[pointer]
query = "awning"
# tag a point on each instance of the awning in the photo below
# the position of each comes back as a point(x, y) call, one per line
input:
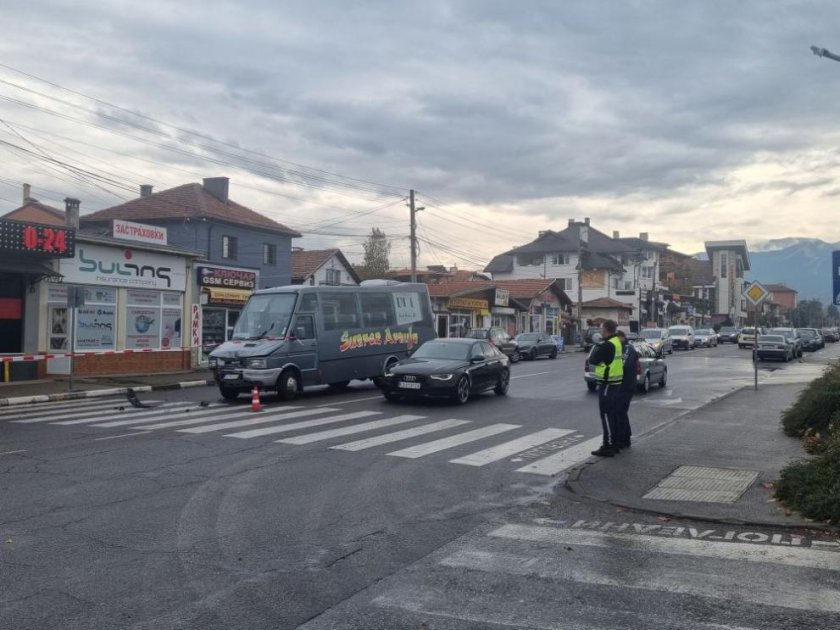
point(229, 296)
point(37, 268)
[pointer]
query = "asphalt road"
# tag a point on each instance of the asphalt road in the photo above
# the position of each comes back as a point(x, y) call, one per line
point(344, 511)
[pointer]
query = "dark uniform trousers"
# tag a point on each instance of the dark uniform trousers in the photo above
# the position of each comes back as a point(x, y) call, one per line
point(608, 409)
point(623, 396)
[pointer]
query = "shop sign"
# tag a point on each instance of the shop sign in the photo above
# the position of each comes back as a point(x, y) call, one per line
point(196, 325)
point(97, 264)
point(593, 280)
point(233, 297)
point(502, 297)
point(96, 327)
point(221, 277)
point(34, 238)
point(139, 232)
point(469, 303)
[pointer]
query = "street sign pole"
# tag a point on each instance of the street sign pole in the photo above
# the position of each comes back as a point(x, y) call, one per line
point(755, 295)
point(835, 280)
point(75, 299)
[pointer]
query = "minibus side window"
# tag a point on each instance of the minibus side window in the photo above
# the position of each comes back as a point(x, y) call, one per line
point(339, 311)
point(308, 302)
point(377, 310)
point(304, 327)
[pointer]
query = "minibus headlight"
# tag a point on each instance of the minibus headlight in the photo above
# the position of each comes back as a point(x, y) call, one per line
point(256, 364)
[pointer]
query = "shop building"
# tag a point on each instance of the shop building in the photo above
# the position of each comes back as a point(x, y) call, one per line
point(241, 249)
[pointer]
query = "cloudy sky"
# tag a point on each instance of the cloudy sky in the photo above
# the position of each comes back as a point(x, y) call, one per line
point(688, 120)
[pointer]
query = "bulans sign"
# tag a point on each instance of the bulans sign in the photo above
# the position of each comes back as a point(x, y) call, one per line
point(123, 267)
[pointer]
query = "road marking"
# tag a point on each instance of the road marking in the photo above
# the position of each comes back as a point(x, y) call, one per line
point(533, 374)
point(215, 411)
point(428, 448)
point(13, 452)
point(495, 453)
point(250, 419)
point(302, 425)
point(354, 400)
point(356, 428)
point(564, 459)
point(26, 410)
point(114, 437)
point(58, 414)
point(388, 438)
point(790, 556)
point(122, 414)
point(203, 419)
point(714, 585)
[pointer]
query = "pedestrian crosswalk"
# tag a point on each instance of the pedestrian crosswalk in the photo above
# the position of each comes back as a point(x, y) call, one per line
point(545, 451)
point(603, 574)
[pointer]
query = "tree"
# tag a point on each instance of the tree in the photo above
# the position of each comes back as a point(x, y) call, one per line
point(809, 314)
point(377, 248)
point(832, 313)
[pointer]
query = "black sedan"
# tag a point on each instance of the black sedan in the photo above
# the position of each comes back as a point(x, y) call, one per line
point(533, 345)
point(448, 368)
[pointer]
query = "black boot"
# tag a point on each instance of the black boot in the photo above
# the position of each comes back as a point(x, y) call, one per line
point(605, 450)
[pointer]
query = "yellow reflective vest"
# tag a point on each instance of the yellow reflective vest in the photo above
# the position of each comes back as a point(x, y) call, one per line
point(614, 372)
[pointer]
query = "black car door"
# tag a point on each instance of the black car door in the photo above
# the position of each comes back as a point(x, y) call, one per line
point(494, 364)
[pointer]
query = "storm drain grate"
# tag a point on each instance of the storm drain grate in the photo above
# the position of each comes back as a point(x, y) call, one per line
point(707, 485)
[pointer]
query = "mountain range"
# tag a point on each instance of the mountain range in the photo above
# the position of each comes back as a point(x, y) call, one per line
point(803, 264)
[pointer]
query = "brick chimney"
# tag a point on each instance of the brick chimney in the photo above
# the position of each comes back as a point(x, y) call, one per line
point(27, 193)
point(615, 234)
point(146, 190)
point(586, 221)
point(571, 223)
point(71, 212)
point(218, 187)
point(644, 236)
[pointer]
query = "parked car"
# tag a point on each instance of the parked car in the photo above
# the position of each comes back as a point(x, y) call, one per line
point(499, 338)
point(705, 337)
point(448, 368)
point(793, 337)
point(811, 339)
point(533, 345)
point(774, 347)
point(728, 334)
point(830, 334)
point(651, 368)
point(682, 337)
point(659, 338)
point(746, 338)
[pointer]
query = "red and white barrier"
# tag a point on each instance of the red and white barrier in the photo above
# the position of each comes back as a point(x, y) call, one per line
point(40, 357)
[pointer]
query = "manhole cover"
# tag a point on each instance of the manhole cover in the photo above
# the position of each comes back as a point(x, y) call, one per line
point(707, 485)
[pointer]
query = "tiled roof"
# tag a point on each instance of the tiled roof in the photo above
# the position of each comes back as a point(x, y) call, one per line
point(187, 201)
point(500, 264)
point(779, 288)
point(568, 240)
point(308, 261)
point(451, 289)
point(37, 212)
point(524, 289)
point(606, 302)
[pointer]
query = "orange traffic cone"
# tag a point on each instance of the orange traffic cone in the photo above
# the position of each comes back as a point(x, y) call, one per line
point(255, 399)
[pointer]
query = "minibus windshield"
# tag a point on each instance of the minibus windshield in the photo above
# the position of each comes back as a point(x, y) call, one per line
point(265, 315)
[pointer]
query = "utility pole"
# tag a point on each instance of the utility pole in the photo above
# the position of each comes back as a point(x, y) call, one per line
point(413, 236)
point(583, 234)
point(822, 52)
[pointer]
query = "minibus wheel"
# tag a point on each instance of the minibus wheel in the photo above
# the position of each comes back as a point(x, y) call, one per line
point(288, 385)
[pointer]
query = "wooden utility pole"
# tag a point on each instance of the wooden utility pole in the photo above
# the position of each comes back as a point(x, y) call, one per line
point(413, 236)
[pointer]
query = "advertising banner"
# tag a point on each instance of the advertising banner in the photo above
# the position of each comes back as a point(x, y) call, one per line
point(123, 267)
point(142, 327)
point(96, 327)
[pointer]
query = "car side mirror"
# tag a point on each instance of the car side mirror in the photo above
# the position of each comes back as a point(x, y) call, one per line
point(476, 359)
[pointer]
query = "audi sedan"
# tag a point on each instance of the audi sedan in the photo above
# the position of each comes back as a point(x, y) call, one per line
point(533, 345)
point(448, 368)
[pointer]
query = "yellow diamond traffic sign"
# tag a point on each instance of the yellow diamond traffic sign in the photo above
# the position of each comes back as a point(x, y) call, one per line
point(756, 293)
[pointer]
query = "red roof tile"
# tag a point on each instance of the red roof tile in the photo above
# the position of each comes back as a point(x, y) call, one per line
point(305, 262)
point(449, 289)
point(606, 302)
point(187, 201)
point(37, 212)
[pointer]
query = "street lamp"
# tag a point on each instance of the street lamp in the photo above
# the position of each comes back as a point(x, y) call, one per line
point(822, 52)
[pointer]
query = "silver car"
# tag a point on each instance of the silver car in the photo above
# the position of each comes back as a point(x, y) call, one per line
point(658, 338)
point(706, 338)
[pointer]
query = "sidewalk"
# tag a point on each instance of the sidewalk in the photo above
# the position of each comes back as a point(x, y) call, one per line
point(740, 432)
point(25, 392)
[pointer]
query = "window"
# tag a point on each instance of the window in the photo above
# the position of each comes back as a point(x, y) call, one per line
point(530, 260)
point(477, 352)
point(724, 264)
point(566, 283)
point(309, 302)
point(559, 259)
point(377, 309)
point(96, 321)
point(334, 277)
point(229, 247)
point(153, 319)
point(489, 351)
point(304, 327)
point(269, 254)
point(339, 311)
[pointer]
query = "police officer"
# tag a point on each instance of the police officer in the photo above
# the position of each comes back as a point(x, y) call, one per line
point(609, 371)
point(625, 392)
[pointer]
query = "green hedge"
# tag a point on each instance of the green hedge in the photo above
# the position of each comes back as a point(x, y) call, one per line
point(812, 486)
point(814, 407)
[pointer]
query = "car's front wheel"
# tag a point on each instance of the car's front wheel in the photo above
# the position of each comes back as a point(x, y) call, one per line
point(514, 358)
point(392, 396)
point(532, 356)
point(553, 354)
point(664, 380)
point(645, 386)
point(462, 390)
point(288, 385)
point(501, 388)
point(229, 393)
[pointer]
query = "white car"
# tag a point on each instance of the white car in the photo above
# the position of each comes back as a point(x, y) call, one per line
point(705, 337)
point(682, 337)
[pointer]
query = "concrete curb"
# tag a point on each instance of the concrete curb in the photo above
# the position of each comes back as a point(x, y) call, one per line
point(96, 393)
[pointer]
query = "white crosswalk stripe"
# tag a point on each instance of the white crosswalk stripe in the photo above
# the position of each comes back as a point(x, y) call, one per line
point(122, 414)
point(388, 438)
point(64, 405)
point(206, 413)
point(308, 438)
point(43, 415)
point(308, 424)
point(495, 453)
point(562, 460)
point(236, 424)
point(421, 450)
point(259, 417)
